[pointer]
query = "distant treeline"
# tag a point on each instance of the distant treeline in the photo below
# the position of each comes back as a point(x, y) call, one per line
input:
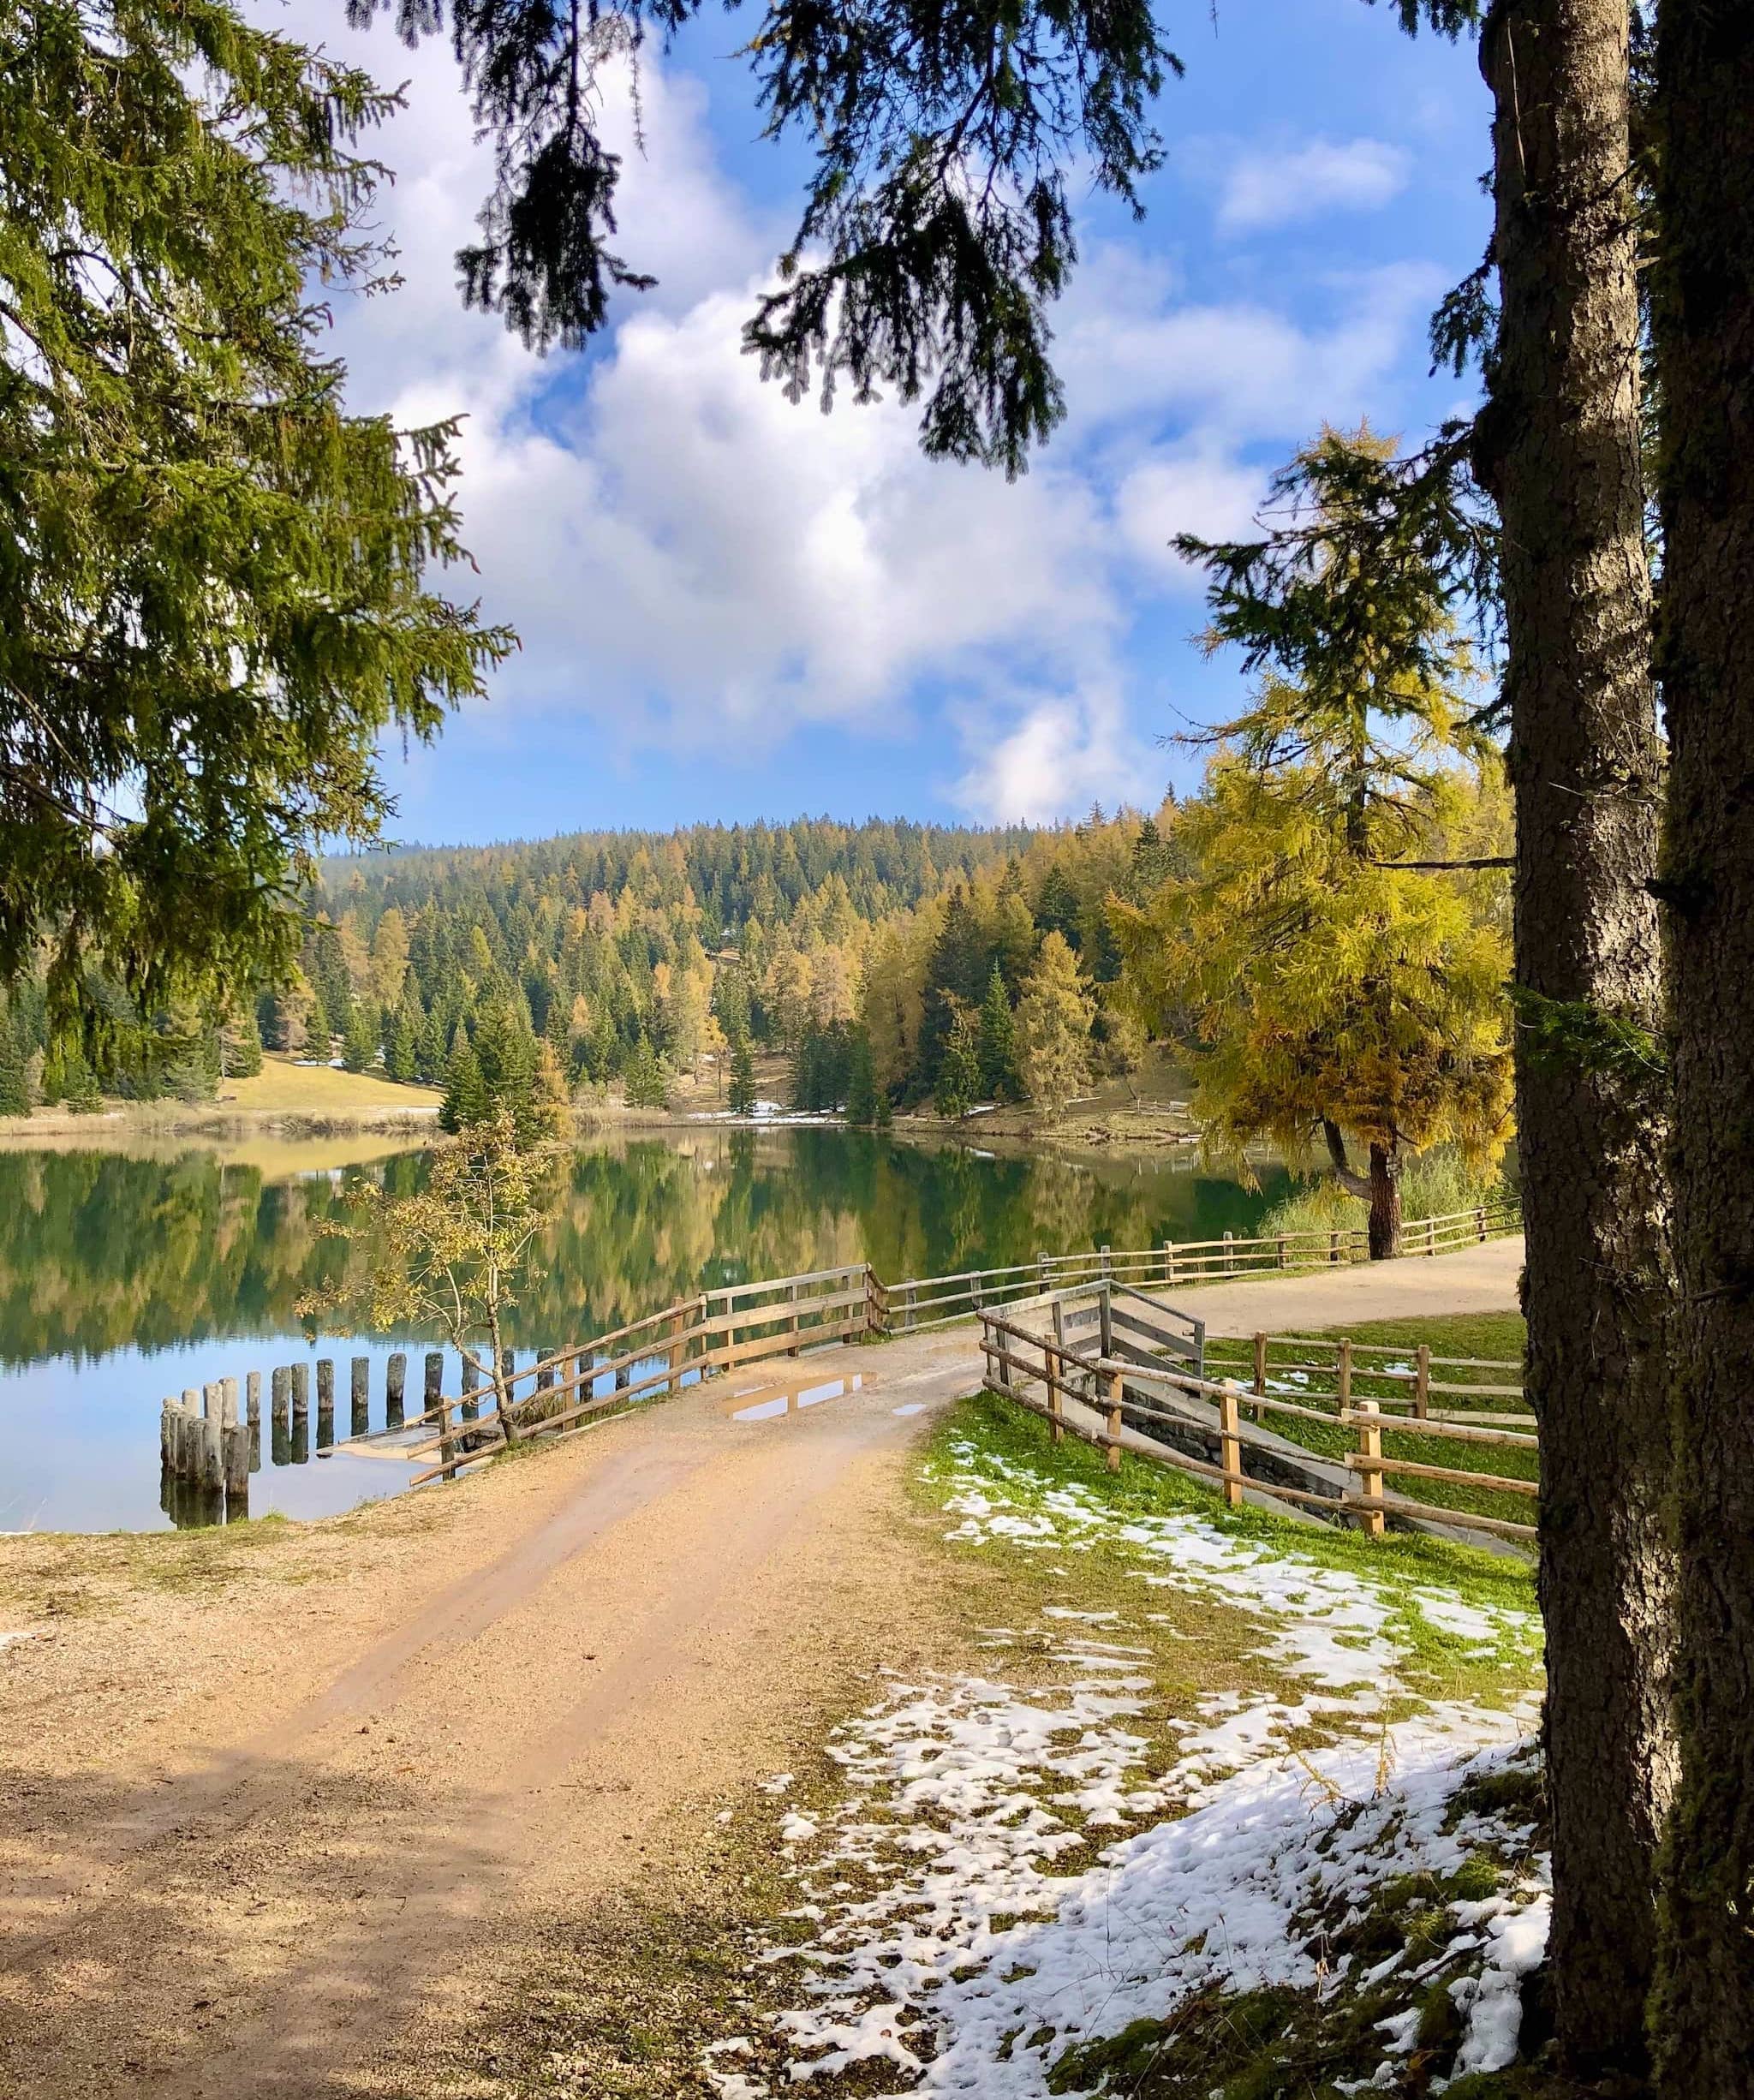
point(891, 962)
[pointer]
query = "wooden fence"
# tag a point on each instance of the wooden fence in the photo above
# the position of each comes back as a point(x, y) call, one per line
point(933, 1300)
point(699, 1337)
point(1098, 1395)
point(720, 1329)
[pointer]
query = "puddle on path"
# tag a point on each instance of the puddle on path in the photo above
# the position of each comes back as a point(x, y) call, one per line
point(766, 1403)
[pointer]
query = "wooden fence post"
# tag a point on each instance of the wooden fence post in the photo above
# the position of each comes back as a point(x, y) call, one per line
point(447, 1441)
point(212, 1455)
point(793, 1299)
point(1056, 1426)
point(1112, 1454)
point(253, 1397)
point(1169, 1265)
point(1480, 1222)
point(235, 1461)
point(1369, 1476)
point(1334, 1246)
point(1229, 1259)
point(1343, 1372)
point(301, 1392)
point(1107, 1262)
point(907, 1317)
point(1422, 1381)
point(1279, 1244)
point(325, 1403)
point(1230, 1449)
point(395, 1384)
point(1106, 1321)
point(1260, 1371)
point(359, 1395)
point(1431, 1236)
point(1043, 1273)
point(678, 1349)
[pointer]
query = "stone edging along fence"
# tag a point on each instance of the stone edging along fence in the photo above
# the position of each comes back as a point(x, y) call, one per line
point(719, 1330)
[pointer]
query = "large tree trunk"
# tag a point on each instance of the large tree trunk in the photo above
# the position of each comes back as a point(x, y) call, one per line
point(1558, 447)
point(1385, 1231)
point(1704, 321)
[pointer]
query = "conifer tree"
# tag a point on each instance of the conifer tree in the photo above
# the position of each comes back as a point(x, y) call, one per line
point(15, 1086)
point(430, 1051)
point(243, 1046)
point(998, 1062)
point(742, 1102)
point(959, 1070)
point(1053, 1028)
point(359, 1045)
point(643, 1080)
point(549, 1115)
point(78, 1083)
point(861, 1082)
point(465, 1103)
point(401, 1054)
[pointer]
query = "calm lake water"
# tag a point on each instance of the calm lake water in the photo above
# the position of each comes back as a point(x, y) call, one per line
point(125, 1280)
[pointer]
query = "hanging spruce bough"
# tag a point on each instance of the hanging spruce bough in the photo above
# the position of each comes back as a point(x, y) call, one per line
point(214, 590)
point(936, 230)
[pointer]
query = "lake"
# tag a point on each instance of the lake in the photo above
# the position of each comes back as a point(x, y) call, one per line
point(123, 1279)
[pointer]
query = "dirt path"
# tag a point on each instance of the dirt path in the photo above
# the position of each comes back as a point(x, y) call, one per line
point(275, 1794)
point(1482, 1278)
point(258, 1888)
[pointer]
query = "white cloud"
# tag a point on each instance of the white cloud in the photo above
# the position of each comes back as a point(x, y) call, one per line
point(694, 562)
point(1067, 751)
point(1263, 189)
point(1171, 492)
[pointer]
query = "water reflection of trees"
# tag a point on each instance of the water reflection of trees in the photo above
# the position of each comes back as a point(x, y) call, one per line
point(99, 1250)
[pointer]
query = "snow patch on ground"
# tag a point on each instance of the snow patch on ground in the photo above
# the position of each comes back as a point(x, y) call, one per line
point(949, 1933)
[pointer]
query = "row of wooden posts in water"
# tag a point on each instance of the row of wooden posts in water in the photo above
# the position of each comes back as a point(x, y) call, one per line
point(211, 1440)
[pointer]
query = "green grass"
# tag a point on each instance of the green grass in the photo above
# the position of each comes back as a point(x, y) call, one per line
point(1436, 1186)
point(1491, 1336)
point(1400, 1562)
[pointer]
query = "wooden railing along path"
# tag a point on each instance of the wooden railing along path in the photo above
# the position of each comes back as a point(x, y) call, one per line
point(718, 1330)
point(1096, 1393)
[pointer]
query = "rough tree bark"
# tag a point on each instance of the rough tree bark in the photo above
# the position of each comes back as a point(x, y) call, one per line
point(1380, 1188)
point(1705, 333)
point(1385, 1229)
point(1558, 448)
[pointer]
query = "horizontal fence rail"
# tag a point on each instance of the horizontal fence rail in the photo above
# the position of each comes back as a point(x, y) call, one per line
point(1328, 1455)
point(1101, 1298)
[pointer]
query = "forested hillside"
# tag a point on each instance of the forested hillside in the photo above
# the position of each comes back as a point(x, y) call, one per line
point(889, 960)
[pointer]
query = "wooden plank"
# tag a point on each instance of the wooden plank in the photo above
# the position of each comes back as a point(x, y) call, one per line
point(734, 1291)
point(1369, 1455)
point(1456, 1432)
point(1451, 1519)
point(1131, 1323)
point(1500, 1483)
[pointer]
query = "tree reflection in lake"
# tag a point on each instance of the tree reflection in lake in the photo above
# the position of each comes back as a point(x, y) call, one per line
point(122, 1280)
point(99, 1251)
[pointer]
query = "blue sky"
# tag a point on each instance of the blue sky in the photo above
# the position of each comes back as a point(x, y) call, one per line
point(733, 607)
